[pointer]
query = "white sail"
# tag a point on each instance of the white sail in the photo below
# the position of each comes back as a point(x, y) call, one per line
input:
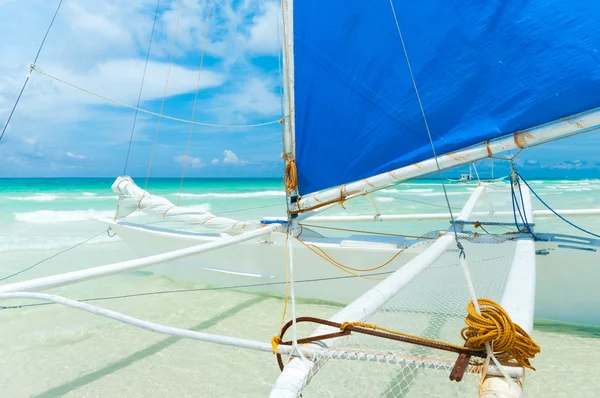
point(133, 198)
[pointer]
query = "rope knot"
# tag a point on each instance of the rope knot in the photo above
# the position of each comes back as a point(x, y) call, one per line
point(494, 326)
point(275, 341)
point(344, 325)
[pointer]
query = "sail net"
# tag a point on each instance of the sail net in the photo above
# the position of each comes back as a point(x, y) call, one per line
point(433, 305)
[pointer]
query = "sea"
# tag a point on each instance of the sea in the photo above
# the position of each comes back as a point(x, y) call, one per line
point(54, 225)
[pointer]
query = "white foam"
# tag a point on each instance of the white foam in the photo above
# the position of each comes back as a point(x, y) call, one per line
point(384, 199)
point(442, 193)
point(232, 195)
point(89, 194)
point(59, 216)
point(94, 197)
point(42, 197)
point(416, 190)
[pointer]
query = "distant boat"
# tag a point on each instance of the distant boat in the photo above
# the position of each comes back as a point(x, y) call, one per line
point(469, 177)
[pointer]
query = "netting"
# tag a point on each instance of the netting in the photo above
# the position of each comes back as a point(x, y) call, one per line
point(433, 305)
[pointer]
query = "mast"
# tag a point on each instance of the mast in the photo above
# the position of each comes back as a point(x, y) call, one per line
point(289, 122)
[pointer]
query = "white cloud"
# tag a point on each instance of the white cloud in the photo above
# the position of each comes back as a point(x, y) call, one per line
point(74, 156)
point(231, 158)
point(193, 162)
point(572, 165)
point(117, 79)
point(234, 88)
point(263, 33)
point(254, 97)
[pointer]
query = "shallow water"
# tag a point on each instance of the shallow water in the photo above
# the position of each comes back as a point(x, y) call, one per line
point(49, 350)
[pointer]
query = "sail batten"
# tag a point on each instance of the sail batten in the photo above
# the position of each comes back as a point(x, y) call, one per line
point(565, 127)
point(483, 70)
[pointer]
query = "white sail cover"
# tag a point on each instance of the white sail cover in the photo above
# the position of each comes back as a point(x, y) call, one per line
point(133, 198)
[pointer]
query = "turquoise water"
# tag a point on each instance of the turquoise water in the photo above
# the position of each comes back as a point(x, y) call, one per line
point(55, 351)
point(50, 213)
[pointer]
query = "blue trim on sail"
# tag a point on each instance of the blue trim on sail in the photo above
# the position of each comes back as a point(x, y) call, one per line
point(483, 68)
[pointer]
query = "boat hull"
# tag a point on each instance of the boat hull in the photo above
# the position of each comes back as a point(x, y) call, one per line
point(567, 272)
point(260, 265)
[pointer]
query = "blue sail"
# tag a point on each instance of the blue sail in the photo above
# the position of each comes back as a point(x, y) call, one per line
point(483, 69)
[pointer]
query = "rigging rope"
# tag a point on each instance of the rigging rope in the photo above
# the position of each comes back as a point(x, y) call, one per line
point(553, 211)
point(493, 325)
point(162, 105)
point(52, 256)
point(514, 180)
point(207, 289)
point(159, 115)
point(462, 254)
point(141, 87)
point(412, 77)
point(189, 141)
point(367, 232)
point(30, 69)
point(350, 270)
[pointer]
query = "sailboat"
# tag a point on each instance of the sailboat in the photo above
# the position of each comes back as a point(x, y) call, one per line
point(464, 177)
point(469, 177)
point(377, 96)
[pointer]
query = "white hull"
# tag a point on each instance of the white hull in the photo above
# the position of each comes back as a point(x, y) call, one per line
point(567, 272)
point(261, 262)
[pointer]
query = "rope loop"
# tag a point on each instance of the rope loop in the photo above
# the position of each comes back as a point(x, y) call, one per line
point(291, 175)
point(494, 326)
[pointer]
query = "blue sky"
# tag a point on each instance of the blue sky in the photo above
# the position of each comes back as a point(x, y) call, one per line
point(58, 131)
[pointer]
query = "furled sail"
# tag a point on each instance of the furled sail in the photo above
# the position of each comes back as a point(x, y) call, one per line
point(483, 70)
point(133, 198)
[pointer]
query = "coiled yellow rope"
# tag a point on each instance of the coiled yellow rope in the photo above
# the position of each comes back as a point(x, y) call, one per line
point(495, 326)
point(291, 175)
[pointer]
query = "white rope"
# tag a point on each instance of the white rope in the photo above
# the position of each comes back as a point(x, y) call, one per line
point(312, 352)
point(229, 126)
point(476, 173)
point(189, 140)
point(151, 326)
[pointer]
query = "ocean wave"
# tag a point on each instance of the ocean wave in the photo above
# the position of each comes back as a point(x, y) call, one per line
point(89, 194)
point(442, 193)
point(94, 197)
point(416, 190)
point(61, 216)
point(231, 195)
point(384, 199)
point(42, 197)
